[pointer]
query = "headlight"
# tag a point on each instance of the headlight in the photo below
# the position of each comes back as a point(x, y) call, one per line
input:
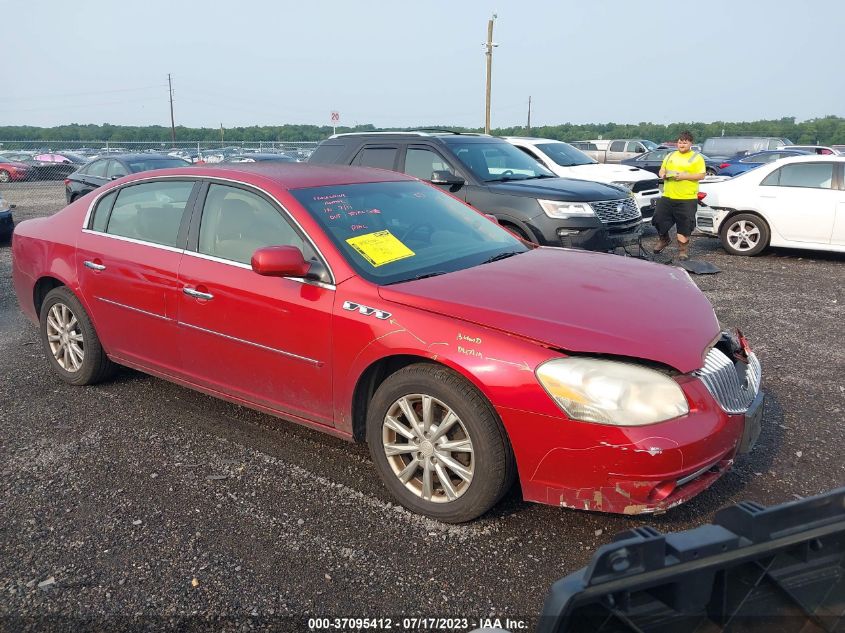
point(564, 210)
point(626, 185)
point(610, 392)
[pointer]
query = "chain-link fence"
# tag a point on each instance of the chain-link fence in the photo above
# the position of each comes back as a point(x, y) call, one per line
point(30, 169)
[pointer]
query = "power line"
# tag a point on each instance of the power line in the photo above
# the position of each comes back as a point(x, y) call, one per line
point(80, 94)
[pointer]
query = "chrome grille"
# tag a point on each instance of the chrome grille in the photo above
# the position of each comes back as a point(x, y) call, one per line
point(616, 210)
point(646, 185)
point(733, 392)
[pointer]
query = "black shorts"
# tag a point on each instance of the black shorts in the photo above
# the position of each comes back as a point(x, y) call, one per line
point(680, 213)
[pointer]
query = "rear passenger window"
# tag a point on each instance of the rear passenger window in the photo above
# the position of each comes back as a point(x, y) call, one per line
point(97, 168)
point(383, 157)
point(236, 223)
point(116, 170)
point(102, 210)
point(150, 212)
point(617, 146)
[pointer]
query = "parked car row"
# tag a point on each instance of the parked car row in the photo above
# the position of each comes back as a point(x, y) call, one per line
point(17, 166)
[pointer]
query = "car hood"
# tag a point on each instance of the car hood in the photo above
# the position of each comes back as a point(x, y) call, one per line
point(567, 189)
point(577, 301)
point(609, 173)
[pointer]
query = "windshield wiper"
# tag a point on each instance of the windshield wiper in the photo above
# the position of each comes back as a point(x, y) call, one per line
point(504, 255)
point(423, 276)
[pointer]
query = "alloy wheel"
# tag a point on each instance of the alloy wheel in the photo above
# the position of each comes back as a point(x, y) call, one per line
point(64, 335)
point(743, 235)
point(428, 448)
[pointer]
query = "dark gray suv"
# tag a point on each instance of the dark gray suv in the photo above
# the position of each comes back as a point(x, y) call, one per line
point(498, 179)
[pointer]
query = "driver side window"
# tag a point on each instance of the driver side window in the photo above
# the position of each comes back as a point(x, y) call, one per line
point(236, 223)
point(422, 163)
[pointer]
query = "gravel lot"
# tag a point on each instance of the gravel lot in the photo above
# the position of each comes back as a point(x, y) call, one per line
point(137, 503)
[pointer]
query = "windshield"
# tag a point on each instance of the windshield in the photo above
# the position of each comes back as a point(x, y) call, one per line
point(565, 155)
point(650, 145)
point(155, 163)
point(399, 231)
point(492, 162)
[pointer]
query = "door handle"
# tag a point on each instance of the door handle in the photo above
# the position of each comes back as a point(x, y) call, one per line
point(93, 266)
point(197, 294)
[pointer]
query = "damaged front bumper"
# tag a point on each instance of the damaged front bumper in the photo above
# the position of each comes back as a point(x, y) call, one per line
point(647, 469)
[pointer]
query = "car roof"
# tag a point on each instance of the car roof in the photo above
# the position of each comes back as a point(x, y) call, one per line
point(294, 175)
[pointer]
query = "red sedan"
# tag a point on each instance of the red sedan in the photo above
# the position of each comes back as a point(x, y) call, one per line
point(374, 307)
point(13, 170)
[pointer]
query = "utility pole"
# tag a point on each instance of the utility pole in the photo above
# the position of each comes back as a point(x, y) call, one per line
point(172, 120)
point(490, 46)
point(529, 115)
point(221, 135)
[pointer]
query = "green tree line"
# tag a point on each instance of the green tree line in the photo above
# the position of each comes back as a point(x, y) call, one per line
point(825, 131)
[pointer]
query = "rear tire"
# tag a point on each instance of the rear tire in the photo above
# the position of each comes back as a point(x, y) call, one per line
point(4, 176)
point(452, 461)
point(70, 341)
point(744, 234)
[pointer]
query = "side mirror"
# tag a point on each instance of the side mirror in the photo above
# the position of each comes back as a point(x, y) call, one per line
point(446, 177)
point(279, 261)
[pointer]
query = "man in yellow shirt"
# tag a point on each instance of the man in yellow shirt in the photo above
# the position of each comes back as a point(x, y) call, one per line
point(681, 170)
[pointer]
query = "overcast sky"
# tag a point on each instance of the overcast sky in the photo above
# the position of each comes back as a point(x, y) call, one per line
point(406, 63)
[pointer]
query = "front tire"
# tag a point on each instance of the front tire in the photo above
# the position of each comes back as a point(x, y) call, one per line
point(70, 341)
point(438, 445)
point(4, 176)
point(744, 234)
point(513, 228)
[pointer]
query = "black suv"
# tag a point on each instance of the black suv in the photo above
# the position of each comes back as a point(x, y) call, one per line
point(498, 179)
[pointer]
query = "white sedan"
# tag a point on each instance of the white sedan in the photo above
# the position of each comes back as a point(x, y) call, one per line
point(797, 202)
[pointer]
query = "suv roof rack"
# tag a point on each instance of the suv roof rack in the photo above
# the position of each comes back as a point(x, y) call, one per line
point(423, 131)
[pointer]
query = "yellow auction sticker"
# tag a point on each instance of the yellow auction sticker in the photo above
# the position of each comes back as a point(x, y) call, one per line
point(379, 248)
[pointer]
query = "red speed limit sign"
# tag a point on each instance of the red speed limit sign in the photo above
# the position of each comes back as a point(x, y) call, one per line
point(335, 116)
